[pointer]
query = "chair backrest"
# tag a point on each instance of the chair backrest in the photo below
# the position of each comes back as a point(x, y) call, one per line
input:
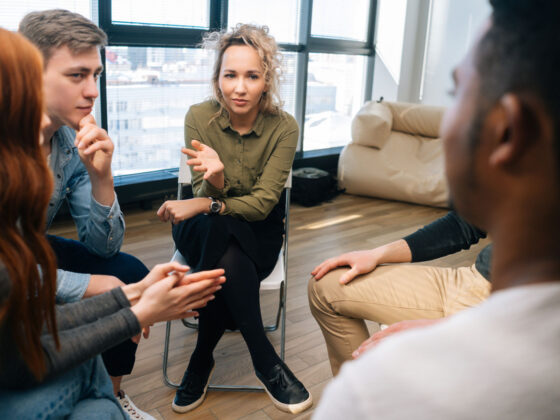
point(184, 170)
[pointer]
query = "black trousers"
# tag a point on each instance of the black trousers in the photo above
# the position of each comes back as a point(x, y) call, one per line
point(248, 252)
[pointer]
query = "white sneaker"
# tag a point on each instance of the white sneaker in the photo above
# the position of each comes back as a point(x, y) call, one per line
point(129, 408)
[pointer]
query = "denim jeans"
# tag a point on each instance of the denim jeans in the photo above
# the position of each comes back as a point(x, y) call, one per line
point(84, 392)
point(74, 256)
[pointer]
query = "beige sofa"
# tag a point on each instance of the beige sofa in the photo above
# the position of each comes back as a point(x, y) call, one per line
point(395, 153)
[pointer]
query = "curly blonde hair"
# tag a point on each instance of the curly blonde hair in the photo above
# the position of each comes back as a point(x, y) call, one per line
point(265, 45)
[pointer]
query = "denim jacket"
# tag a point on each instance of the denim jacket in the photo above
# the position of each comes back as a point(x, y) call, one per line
point(100, 228)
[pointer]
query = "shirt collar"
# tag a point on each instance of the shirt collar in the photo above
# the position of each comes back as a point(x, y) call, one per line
point(258, 126)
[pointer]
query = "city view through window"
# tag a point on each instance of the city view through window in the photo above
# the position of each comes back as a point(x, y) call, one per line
point(149, 89)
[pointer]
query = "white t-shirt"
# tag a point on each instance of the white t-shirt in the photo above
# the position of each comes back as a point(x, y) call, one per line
point(499, 360)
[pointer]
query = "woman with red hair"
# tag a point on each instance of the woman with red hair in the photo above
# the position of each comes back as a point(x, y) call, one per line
point(49, 363)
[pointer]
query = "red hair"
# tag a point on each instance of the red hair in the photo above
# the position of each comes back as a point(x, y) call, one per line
point(25, 189)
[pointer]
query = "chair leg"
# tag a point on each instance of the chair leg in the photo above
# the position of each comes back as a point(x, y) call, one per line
point(188, 324)
point(166, 379)
point(280, 321)
point(274, 327)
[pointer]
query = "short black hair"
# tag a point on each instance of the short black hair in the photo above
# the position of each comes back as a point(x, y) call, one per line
point(520, 53)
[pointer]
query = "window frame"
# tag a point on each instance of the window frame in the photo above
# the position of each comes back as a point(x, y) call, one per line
point(157, 36)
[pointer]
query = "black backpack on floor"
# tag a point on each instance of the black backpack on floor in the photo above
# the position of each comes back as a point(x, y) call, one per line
point(312, 186)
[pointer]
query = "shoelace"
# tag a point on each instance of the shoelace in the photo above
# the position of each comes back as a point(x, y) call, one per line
point(128, 408)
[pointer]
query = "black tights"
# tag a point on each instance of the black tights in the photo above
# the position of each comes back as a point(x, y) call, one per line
point(238, 300)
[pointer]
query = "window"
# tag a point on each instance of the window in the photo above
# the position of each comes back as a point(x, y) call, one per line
point(351, 20)
point(334, 94)
point(155, 68)
point(12, 12)
point(281, 17)
point(170, 13)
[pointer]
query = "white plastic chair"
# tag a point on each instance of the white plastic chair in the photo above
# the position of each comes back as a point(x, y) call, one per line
point(277, 280)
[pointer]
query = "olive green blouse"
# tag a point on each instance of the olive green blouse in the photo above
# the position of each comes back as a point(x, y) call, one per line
point(256, 164)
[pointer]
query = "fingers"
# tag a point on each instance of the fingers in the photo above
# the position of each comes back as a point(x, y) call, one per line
point(135, 339)
point(146, 332)
point(166, 269)
point(364, 347)
point(349, 276)
point(197, 145)
point(189, 152)
point(88, 119)
point(103, 145)
point(162, 212)
point(327, 266)
point(191, 300)
point(204, 275)
point(169, 212)
point(90, 134)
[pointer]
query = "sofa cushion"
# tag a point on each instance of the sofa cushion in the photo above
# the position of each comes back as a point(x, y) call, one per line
point(423, 120)
point(372, 125)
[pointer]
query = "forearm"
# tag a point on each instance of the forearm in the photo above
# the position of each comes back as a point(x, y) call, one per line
point(88, 310)
point(103, 189)
point(87, 340)
point(444, 236)
point(394, 252)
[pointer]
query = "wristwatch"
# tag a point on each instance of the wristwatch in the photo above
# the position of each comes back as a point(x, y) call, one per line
point(215, 206)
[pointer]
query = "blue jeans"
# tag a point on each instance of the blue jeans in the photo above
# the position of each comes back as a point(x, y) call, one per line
point(74, 256)
point(84, 392)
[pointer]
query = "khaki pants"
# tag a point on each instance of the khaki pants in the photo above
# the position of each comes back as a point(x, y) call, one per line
point(387, 295)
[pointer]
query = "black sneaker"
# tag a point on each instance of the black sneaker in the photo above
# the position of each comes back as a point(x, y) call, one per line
point(192, 391)
point(286, 392)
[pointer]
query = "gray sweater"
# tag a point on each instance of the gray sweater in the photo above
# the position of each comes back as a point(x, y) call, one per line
point(86, 328)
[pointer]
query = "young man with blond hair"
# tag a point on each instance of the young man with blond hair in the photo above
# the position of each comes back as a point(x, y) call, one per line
point(80, 154)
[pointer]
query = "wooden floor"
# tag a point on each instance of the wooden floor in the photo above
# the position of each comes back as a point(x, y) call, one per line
point(347, 223)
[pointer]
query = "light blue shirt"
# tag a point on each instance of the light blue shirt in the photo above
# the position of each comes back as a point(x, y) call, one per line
point(100, 228)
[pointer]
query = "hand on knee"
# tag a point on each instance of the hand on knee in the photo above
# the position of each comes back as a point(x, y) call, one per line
point(100, 284)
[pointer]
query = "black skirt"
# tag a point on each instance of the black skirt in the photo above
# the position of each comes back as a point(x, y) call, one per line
point(204, 239)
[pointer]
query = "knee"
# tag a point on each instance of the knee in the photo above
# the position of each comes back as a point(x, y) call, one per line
point(315, 296)
point(321, 293)
point(128, 268)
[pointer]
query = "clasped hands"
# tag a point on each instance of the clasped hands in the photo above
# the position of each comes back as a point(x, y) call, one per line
point(169, 293)
point(202, 159)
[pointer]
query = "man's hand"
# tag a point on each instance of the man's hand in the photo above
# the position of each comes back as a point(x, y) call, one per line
point(95, 148)
point(360, 262)
point(178, 210)
point(390, 330)
point(205, 159)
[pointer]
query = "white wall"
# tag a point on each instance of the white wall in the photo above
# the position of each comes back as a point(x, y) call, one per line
point(431, 37)
point(453, 27)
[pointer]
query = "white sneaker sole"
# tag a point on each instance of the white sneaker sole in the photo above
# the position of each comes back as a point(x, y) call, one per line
point(289, 408)
point(190, 407)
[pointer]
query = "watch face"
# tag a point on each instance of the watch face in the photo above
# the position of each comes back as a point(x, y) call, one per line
point(215, 206)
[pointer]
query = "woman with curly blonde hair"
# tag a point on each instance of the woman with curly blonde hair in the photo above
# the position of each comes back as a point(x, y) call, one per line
point(241, 147)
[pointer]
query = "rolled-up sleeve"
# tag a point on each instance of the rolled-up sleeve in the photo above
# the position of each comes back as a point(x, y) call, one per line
point(70, 287)
point(100, 228)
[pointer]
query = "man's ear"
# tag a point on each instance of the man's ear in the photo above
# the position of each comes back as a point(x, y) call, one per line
point(516, 126)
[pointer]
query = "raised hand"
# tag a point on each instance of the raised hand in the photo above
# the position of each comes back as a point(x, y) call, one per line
point(95, 148)
point(205, 159)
